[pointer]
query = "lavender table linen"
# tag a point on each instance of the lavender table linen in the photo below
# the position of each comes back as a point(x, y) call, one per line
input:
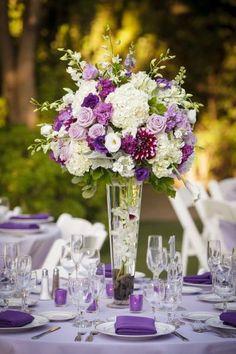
point(39, 216)
point(134, 325)
point(11, 318)
point(15, 226)
point(204, 278)
point(229, 318)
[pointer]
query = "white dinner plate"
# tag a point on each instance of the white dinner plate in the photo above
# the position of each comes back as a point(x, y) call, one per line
point(22, 232)
point(16, 302)
point(37, 322)
point(36, 290)
point(213, 298)
point(231, 306)
point(217, 323)
point(198, 285)
point(139, 275)
point(198, 315)
point(32, 220)
point(108, 328)
point(190, 290)
point(58, 315)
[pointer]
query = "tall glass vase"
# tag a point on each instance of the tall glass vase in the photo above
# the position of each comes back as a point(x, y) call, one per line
point(124, 204)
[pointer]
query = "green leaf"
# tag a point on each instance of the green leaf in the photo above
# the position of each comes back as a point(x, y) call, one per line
point(89, 191)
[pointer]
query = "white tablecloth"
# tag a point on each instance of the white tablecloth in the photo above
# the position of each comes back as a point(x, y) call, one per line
point(62, 341)
point(35, 245)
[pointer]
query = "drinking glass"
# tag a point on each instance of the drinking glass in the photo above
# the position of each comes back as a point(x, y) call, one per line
point(156, 256)
point(171, 298)
point(90, 259)
point(66, 259)
point(76, 245)
point(224, 283)
point(11, 252)
point(154, 292)
point(98, 284)
point(213, 257)
point(80, 291)
point(23, 274)
point(7, 284)
point(4, 207)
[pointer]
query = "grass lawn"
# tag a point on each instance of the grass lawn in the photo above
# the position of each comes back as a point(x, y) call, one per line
point(164, 228)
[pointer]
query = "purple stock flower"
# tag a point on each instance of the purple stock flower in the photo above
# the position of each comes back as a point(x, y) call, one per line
point(104, 87)
point(89, 72)
point(141, 173)
point(128, 144)
point(63, 117)
point(99, 144)
point(90, 101)
point(174, 117)
point(129, 61)
point(164, 83)
point(103, 112)
point(187, 150)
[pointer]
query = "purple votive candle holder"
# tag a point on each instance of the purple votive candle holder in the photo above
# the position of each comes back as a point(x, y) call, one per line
point(136, 302)
point(60, 297)
point(109, 289)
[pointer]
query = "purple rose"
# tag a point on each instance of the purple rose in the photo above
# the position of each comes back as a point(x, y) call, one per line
point(99, 144)
point(128, 144)
point(96, 130)
point(89, 72)
point(77, 132)
point(63, 116)
point(90, 101)
point(156, 124)
point(86, 117)
point(104, 87)
point(103, 112)
point(141, 173)
point(164, 83)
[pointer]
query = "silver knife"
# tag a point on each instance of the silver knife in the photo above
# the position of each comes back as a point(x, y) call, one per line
point(177, 334)
point(50, 330)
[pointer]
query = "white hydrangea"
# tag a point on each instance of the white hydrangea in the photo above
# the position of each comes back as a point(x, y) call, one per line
point(79, 147)
point(86, 87)
point(130, 106)
point(78, 164)
point(124, 166)
point(161, 169)
point(143, 82)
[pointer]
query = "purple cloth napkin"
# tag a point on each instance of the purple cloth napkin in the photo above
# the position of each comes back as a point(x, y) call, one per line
point(11, 318)
point(204, 278)
point(229, 318)
point(134, 325)
point(108, 271)
point(40, 216)
point(93, 307)
point(15, 226)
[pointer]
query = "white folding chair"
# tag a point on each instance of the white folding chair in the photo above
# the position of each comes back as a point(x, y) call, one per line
point(224, 189)
point(193, 244)
point(53, 256)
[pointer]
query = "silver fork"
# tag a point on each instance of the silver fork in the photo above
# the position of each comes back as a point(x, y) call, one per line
point(200, 327)
point(78, 337)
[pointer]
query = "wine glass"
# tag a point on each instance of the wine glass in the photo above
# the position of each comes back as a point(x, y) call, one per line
point(66, 259)
point(98, 284)
point(80, 291)
point(23, 275)
point(154, 292)
point(171, 298)
point(4, 207)
point(11, 252)
point(224, 283)
point(7, 284)
point(76, 245)
point(90, 259)
point(156, 255)
point(213, 256)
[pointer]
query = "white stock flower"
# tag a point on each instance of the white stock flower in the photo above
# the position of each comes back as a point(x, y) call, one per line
point(75, 75)
point(130, 106)
point(78, 164)
point(112, 142)
point(192, 116)
point(124, 166)
point(86, 87)
point(46, 130)
point(143, 82)
point(68, 98)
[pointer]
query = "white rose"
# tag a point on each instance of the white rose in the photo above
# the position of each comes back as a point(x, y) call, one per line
point(46, 130)
point(192, 116)
point(112, 142)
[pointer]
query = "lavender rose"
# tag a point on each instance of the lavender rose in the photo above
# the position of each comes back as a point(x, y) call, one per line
point(96, 130)
point(89, 72)
point(77, 132)
point(86, 117)
point(103, 112)
point(63, 116)
point(90, 101)
point(156, 124)
point(141, 173)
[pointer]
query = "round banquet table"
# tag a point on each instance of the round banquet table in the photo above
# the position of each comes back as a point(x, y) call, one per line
point(62, 341)
point(35, 245)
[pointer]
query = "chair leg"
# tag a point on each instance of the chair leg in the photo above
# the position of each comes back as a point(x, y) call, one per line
point(185, 247)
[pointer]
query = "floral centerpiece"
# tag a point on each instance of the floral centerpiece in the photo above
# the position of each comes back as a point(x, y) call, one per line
point(121, 126)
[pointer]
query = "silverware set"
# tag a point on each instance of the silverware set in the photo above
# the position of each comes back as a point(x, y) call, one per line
point(89, 338)
point(200, 327)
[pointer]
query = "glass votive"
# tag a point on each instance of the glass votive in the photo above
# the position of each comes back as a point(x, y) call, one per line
point(109, 289)
point(60, 297)
point(136, 302)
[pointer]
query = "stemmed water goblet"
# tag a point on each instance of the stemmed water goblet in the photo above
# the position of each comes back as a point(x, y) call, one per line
point(224, 283)
point(76, 245)
point(7, 283)
point(66, 259)
point(11, 252)
point(98, 284)
point(156, 256)
point(153, 292)
point(23, 276)
point(90, 258)
point(171, 298)
point(213, 256)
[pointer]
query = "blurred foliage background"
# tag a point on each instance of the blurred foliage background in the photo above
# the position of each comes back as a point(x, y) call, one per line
point(200, 33)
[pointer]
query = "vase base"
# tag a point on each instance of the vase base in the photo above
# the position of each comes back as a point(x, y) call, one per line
point(115, 305)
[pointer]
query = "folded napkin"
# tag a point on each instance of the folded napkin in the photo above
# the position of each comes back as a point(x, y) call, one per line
point(108, 271)
point(15, 226)
point(93, 307)
point(134, 325)
point(11, 318)
point(40, 216)
point(204, 278)
point(229, 318)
